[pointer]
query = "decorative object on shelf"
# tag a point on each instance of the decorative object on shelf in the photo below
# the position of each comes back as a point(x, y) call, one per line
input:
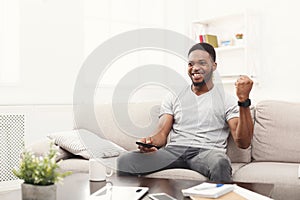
point(40, 175)
point(225, 43)
point(239, 39)
point(239, 36)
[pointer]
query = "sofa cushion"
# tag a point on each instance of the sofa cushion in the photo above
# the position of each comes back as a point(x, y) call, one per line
point(276, 132)
point(187, 174)
point(114, 125)
point(269, 172)
point(237, 155)
point(85, 144)
point(42, 147)
point(177, 173)
point(282, 175)
point(75, 165)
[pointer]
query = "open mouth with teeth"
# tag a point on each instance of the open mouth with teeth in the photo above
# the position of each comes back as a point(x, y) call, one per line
point(197, 76)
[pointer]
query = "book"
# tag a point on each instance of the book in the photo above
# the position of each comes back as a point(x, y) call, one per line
point(210, 39)
point(208, 190)
point(228, 196)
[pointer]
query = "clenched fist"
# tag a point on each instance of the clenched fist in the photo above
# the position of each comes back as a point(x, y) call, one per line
point(243, 87)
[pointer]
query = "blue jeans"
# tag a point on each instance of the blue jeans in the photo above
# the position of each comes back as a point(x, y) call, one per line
point(214, 164)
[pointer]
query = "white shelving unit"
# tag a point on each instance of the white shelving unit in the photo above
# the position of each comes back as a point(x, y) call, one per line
point(240, 56)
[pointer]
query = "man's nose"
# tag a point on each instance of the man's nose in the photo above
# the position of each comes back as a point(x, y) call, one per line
point(197, 66)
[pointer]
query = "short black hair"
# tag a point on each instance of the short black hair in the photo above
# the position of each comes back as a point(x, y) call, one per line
point(204, 47)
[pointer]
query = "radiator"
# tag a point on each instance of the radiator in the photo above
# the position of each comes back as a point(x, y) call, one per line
point(12, 131)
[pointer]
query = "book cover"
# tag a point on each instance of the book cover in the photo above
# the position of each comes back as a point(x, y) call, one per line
point(201, 38)
point(211, 39)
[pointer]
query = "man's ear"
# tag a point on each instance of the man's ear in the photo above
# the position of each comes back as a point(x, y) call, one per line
point(214, 66)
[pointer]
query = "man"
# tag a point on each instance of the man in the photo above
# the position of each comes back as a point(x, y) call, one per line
point(196, 121)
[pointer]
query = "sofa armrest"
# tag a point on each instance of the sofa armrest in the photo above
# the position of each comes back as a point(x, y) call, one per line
point(42, 147)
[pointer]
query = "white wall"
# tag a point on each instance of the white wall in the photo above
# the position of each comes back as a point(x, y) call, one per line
point(279, 41)
point(51, 52)
point(56, 36)
point(279, 44)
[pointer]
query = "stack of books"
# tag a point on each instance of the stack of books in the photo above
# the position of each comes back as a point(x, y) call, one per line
point(212, 191)
point(211, 39)
point(208, 190)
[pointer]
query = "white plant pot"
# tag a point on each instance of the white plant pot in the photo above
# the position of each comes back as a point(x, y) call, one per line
point(38, 192)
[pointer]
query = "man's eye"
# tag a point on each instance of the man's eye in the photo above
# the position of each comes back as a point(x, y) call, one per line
point(202, 63)
point(190, 64)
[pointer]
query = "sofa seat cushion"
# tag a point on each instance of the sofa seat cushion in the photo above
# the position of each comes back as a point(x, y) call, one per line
point(284, 176)
point(75, 165)
point(269, 172)
point(177, 173)
point(187, 174)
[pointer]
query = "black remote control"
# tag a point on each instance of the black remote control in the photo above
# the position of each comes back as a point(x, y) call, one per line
point(146, 145)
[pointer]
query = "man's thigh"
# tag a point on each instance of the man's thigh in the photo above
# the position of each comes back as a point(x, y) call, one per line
point(136, 162)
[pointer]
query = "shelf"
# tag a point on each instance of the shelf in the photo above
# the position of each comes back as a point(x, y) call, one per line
point(240, 56)
point(229, 48)
point(227, 79)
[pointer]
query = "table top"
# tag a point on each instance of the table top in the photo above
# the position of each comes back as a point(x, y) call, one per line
point(171, 186)
point(78, 187)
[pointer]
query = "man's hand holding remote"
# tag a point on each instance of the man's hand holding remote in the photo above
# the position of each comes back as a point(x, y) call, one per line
point(145, 145)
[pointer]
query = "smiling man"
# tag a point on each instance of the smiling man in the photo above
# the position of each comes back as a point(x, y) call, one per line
point(195, 123)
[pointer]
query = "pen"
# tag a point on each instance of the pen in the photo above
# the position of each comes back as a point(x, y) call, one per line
point(204, 187)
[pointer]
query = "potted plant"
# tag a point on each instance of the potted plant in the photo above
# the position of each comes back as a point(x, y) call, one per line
point(40, 175)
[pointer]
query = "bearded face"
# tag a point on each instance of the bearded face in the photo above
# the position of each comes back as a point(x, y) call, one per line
point(200, 67)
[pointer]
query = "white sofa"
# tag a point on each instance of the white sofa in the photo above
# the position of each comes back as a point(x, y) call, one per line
point(273, 157)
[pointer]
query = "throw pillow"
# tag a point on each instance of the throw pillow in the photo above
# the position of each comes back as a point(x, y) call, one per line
point(42, 147)
point(86, 144)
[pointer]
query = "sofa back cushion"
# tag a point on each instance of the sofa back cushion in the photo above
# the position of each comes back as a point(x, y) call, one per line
point(276, 132)
point(113, 124)
point(121, 123)
point(237, 155)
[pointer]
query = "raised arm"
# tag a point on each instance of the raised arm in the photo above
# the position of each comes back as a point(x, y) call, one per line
point(160, 135)
point(242, 128)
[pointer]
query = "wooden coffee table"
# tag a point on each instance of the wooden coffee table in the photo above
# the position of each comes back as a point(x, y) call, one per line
point(171, 186)
point(78, 187)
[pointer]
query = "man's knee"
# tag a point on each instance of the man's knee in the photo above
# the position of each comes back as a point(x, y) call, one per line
point(221, 170)
point(125, 165)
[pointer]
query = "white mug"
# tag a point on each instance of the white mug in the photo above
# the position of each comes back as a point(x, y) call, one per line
point(98, 171)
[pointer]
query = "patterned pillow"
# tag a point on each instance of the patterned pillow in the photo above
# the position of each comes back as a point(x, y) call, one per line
point(86, 144)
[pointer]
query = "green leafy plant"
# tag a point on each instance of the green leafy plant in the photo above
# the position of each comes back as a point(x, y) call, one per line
point(40, 170)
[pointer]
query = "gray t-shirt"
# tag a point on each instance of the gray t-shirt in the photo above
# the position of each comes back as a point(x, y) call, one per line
point(200, 121)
